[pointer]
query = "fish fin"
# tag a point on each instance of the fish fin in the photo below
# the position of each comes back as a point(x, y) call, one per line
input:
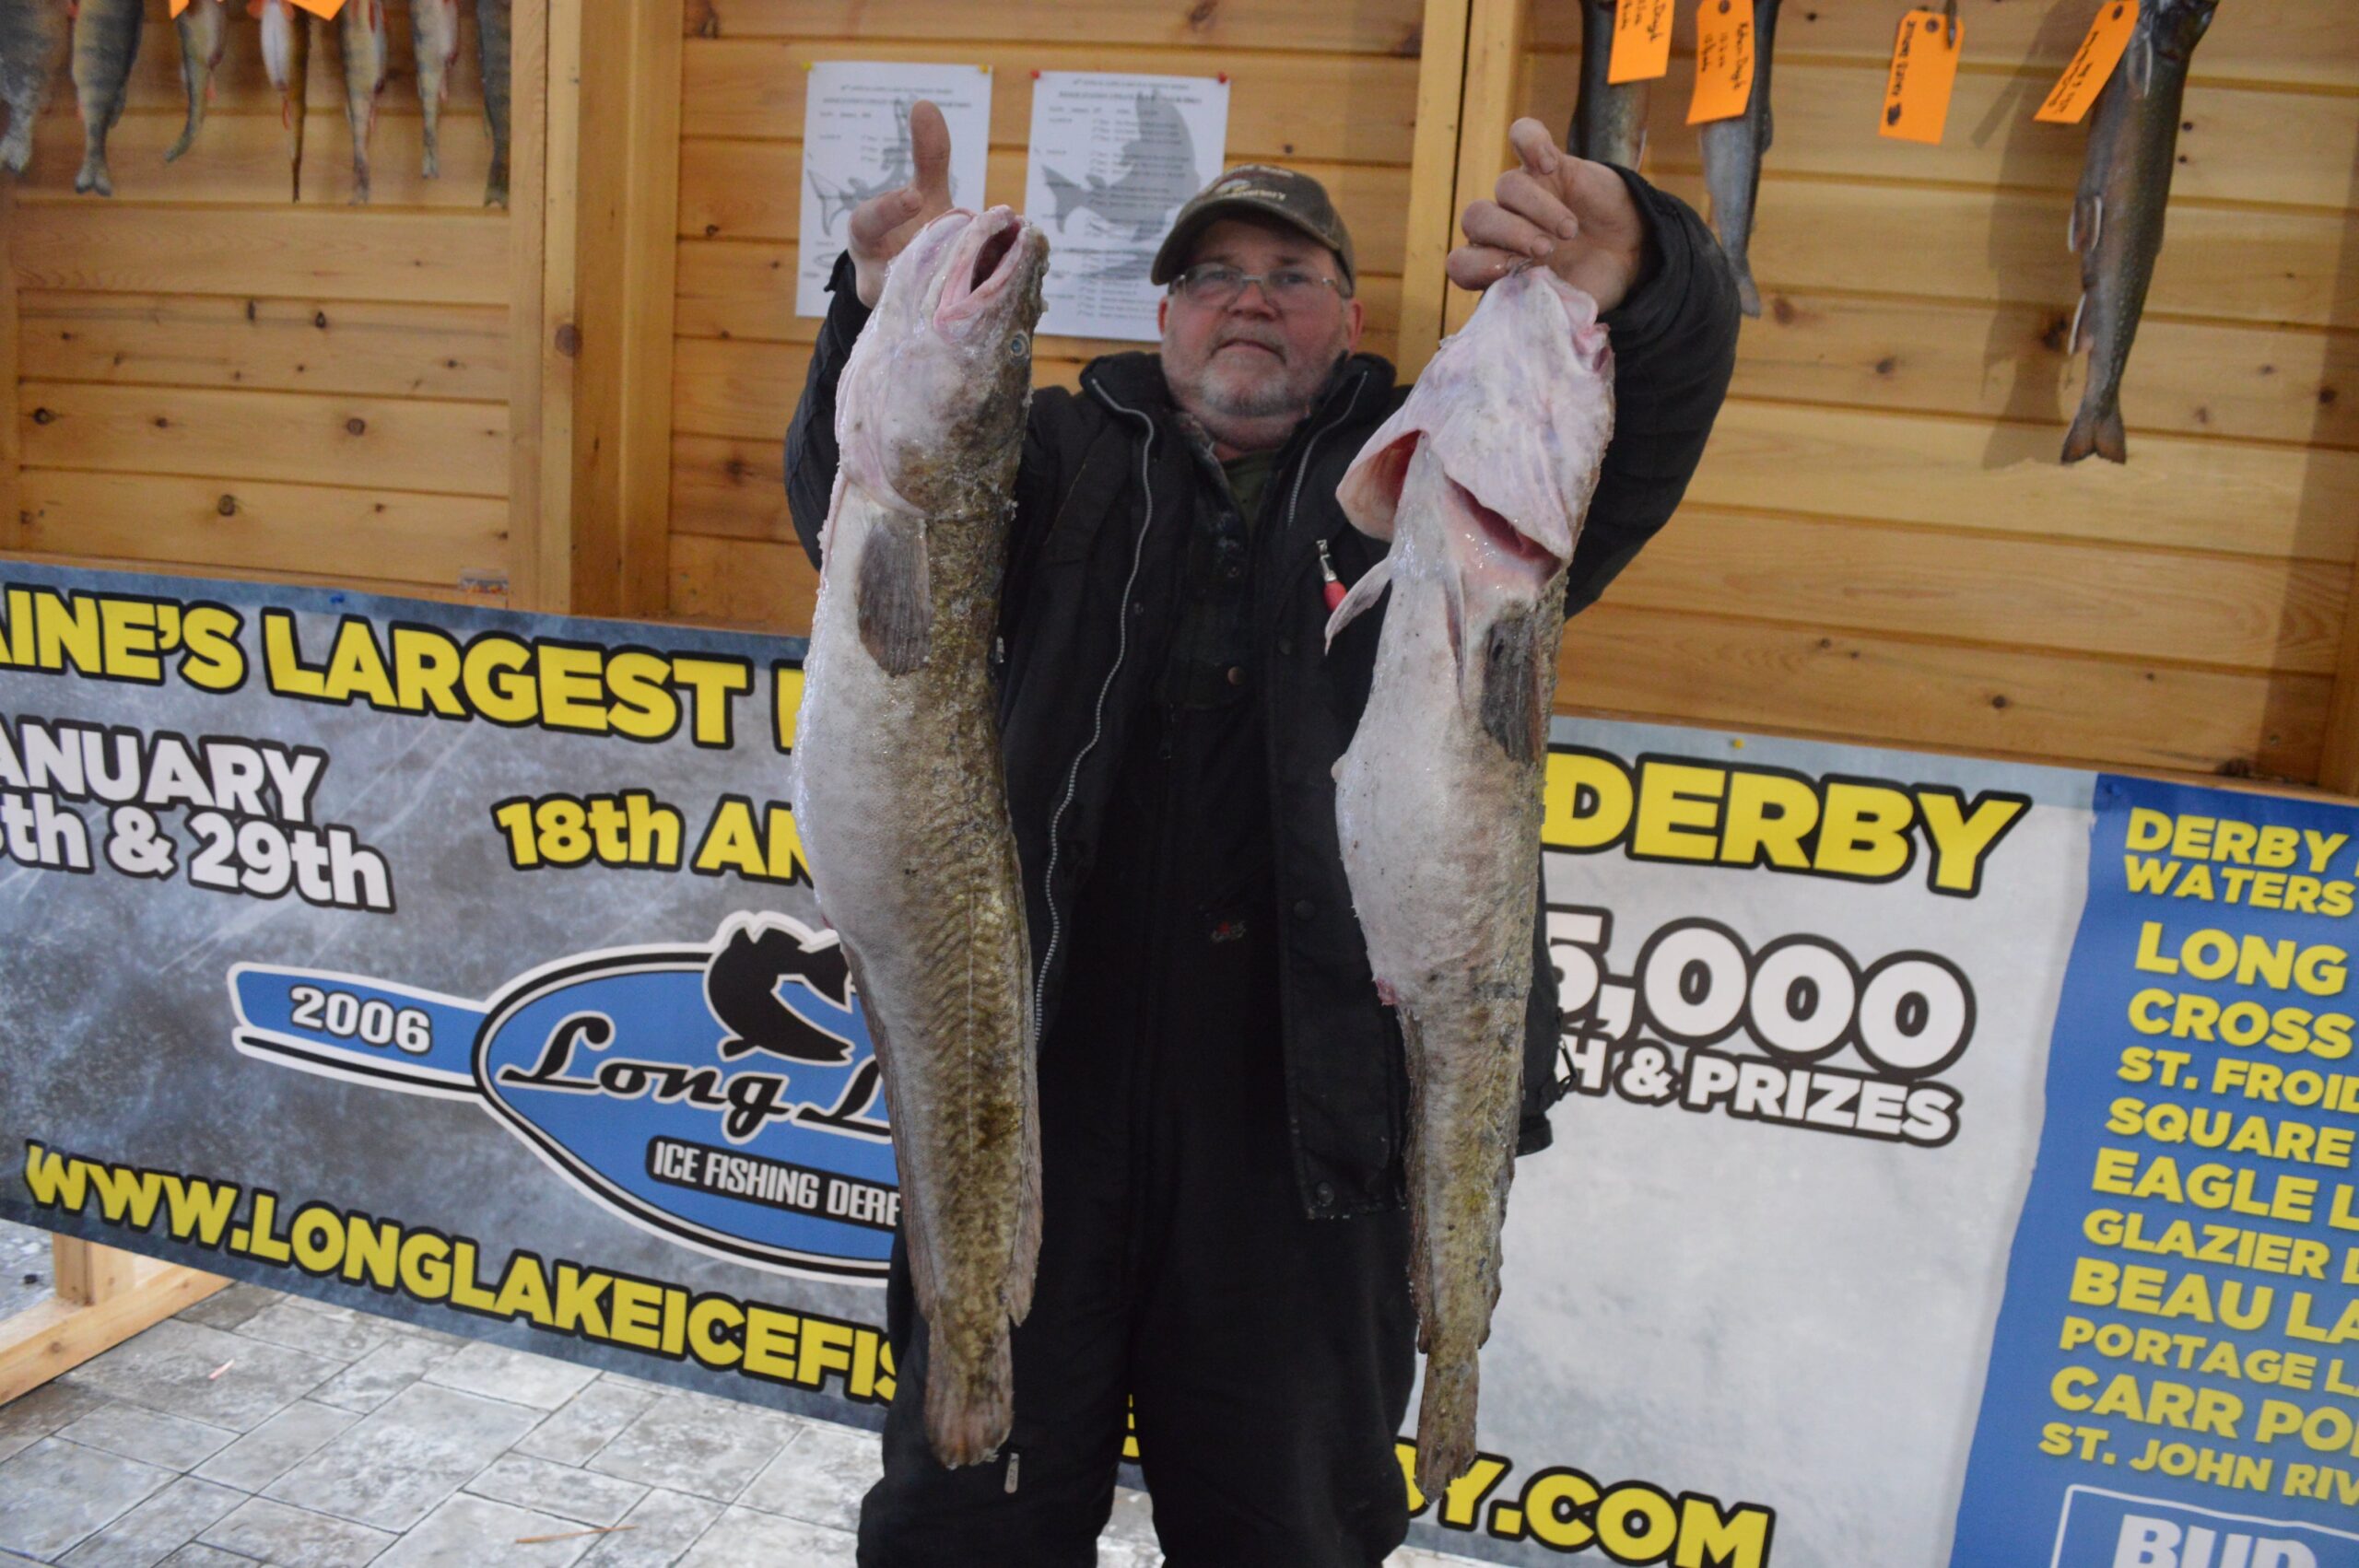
point(2080, 235)
point(895, 600)
point(2101, 435)
point(2080, 339)
point(1748, 293)
point(1519, 661)
point(970, 1407)
point(1361, 599)
point(2141, 65)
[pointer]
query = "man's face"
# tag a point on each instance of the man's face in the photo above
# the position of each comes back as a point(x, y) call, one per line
point(1249, 359)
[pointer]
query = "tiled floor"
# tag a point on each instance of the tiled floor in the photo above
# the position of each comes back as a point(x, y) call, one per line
point(262, 1428)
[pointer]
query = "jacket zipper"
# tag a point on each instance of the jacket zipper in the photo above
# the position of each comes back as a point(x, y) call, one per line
point(1097, 717)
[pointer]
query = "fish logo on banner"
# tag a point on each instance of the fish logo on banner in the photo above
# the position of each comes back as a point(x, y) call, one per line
point(725, 1095)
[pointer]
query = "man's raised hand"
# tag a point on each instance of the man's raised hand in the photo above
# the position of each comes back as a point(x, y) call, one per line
point(1574, 216)
point(882, 225)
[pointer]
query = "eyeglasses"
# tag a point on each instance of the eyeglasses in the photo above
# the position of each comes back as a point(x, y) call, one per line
point(1216, 284)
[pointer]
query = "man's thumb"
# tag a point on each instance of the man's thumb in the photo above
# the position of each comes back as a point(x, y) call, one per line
point(930, 151)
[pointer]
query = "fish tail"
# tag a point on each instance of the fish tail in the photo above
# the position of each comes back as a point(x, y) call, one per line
point(93, 175)
point(969, 1404)
point(1446, 1444)
point(2097, 433)
point(1461, 1107)
point(1748, 293)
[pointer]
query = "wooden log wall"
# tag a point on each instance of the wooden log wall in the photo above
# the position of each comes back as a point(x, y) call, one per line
point(1329, 86)
point(213, 377)
point(1882, 542)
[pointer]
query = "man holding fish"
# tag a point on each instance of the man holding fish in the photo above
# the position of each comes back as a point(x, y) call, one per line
point(1212, 1173)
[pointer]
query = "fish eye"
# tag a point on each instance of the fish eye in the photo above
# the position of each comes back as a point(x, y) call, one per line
point(1018, 345)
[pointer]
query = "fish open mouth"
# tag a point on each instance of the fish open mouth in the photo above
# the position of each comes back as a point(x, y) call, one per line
point(982, 270)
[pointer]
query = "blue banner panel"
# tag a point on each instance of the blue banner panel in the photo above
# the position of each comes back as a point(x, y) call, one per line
point(2174, 1378)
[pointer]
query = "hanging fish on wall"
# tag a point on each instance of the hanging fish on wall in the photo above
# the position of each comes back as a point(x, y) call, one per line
point(360, 35)
point(1732, 153)
point(204, 30)
point(493, 21)
point(287, 56)
point(2118, 215)
point(32, 40)
point(434, 38)
point(106, 41)
point(1610, 119)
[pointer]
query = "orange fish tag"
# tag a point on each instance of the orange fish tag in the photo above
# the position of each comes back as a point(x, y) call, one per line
point(1641, 42)
point(323, 9)
point(2092, 64)
point(1924, 73)
point(1724, 53)
point(178, 7)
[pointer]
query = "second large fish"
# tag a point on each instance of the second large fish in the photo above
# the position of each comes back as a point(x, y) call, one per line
point(1732, 153)
point(2118, 215)
point(1481, 481)
point(901, 796)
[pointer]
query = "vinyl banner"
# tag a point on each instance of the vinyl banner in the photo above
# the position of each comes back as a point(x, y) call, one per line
point(462, 966)
point(2176, 1377)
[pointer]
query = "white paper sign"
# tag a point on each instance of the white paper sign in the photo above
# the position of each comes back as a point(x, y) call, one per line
point(1113, 159)
point(856, 144)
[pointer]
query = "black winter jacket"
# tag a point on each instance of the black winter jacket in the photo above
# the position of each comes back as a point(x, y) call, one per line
point(1105, 497)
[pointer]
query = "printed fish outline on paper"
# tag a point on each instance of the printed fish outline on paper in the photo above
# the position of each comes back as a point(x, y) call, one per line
point(1158, 173)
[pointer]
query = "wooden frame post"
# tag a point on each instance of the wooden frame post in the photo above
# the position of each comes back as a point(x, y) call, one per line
point(1494, 34)
point(101, 1297)
point(625, 249)
point(544, 117)
point(1433, 183)
point(11, 448)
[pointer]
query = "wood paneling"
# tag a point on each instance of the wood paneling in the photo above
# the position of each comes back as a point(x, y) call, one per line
point(215, 378)
point(361, 347)
point(1326, 108)
point(300, 438)
point(2277, 41)
point(304, 252)
point(1721, 670)
point(1357, 27)
point(242, 525)
point(242, 158)
point(753, 191)
point(1826, 120)
point(2008, 362)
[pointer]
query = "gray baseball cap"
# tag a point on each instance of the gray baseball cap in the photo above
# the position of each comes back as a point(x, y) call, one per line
point(1256, 189)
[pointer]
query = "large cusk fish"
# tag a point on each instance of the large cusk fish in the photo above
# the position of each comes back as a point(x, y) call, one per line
point(1480, 481)
point(900, 793)
point(2118, 215)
